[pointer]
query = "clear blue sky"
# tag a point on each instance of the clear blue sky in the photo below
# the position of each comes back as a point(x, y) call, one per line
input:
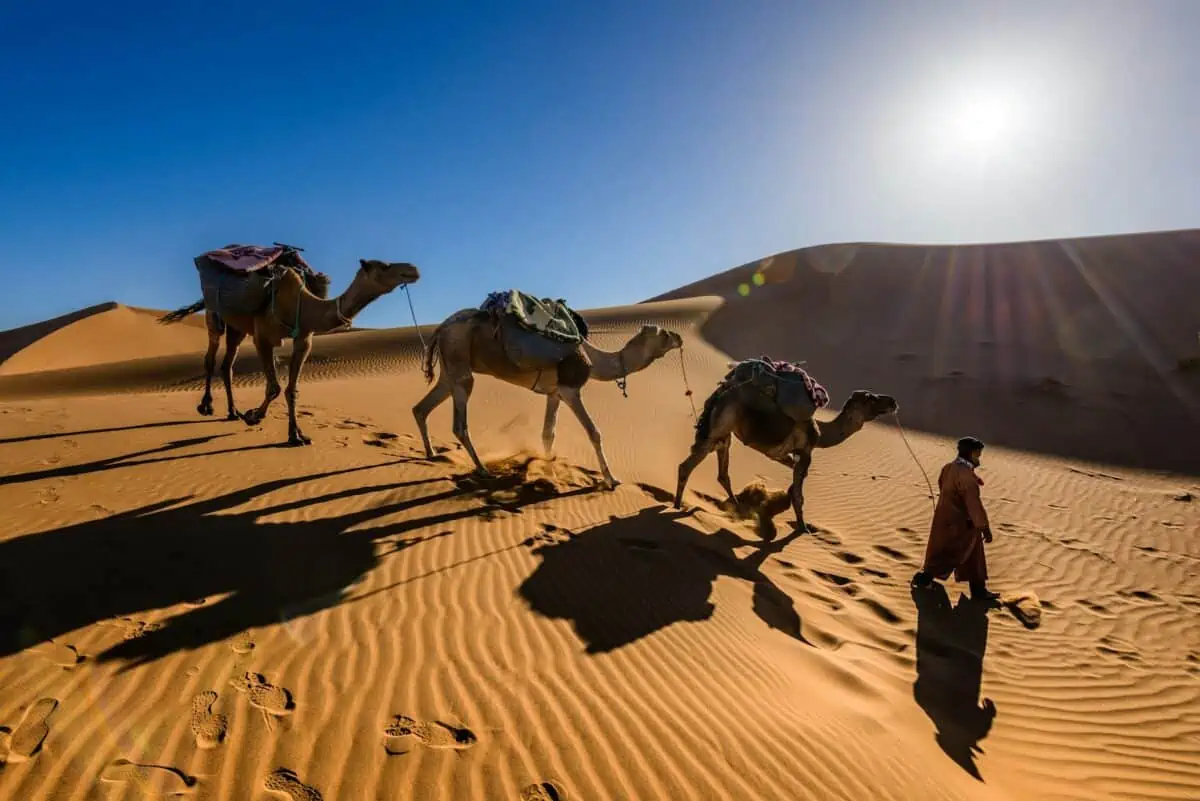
point(602, 152)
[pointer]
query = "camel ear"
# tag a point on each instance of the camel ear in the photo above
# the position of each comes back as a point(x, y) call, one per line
point(362, 262)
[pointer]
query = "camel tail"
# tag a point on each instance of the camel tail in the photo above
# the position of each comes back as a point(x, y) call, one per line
point(704, 421)
point(182, 314)
point(429, 358)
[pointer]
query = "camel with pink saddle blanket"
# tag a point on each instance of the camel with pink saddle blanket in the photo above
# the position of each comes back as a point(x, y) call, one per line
point(271, 294)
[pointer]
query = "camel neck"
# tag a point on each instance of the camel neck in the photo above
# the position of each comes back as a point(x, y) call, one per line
point(612, 366)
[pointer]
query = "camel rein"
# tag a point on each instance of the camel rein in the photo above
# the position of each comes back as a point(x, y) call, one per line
point(412, 310)
point(912, 453)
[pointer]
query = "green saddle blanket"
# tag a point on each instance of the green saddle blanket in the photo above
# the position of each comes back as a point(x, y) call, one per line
point(550, 318)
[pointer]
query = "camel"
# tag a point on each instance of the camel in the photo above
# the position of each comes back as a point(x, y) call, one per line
point(296, 313)
point(466, 343)
point(744, 410)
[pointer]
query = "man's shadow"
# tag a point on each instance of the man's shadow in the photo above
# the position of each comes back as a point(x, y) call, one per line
point(628, 578)
point(951, 642)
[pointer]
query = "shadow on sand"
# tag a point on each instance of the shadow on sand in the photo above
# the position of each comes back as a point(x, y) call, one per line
point(628, 578)
point(175, 551)
point(110, 430)
point(951, 641)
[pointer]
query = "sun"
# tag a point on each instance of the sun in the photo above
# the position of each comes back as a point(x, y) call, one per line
point(985, 121)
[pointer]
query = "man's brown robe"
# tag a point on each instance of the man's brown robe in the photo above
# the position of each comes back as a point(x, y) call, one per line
point(955, 536)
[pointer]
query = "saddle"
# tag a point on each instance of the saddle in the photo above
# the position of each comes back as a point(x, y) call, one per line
point(236, 279)
point(795, 392)
point(536, 334)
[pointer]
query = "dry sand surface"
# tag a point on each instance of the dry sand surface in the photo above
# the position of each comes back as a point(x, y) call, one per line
point(190, 610)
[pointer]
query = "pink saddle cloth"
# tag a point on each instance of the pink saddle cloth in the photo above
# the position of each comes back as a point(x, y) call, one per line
point(249, 258)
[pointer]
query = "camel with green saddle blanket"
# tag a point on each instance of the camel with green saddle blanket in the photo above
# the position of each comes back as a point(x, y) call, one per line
point(538, 344)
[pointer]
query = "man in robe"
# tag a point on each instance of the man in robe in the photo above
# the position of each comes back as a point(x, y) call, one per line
point(960, 526)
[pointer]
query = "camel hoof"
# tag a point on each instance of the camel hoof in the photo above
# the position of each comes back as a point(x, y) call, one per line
point(297, 440)
point(251, 418)
point(205, 409)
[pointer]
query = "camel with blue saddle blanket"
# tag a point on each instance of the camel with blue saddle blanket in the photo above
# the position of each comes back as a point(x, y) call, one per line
point(538, 344)
point(770, 407)
point(272, 294)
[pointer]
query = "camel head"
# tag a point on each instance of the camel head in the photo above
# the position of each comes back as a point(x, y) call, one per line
point(656, 342)
point(381, 277)
point(870, 405)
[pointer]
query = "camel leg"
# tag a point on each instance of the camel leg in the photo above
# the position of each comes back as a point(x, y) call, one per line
point(233, 341)
point(799, 473)
point(552, 403)
point(723, 469)
point(301, 347)
point(433, 399)
point(266, 355)
point(210, 365)
point(720, 431)
point(461, 392)
point(575, 401)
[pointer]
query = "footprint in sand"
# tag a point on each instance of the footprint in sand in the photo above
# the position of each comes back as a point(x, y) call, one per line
point(832, 578)
point(287, 783)
point(272, 700)
point(880, 610)
point(242, 644)
point(152, 780)
point(431, 734)
point(543, 791)
point(61, 654)
point(26, 741)
point(208, 727)
point(892, 553)
point(849, 558)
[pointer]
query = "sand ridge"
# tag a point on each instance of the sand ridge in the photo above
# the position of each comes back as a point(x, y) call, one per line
point(217, 616)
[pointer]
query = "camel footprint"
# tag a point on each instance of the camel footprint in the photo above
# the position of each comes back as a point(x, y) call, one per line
point(273, 701)
point(152, 780)
point(543, 791)
point(288, 783)
point(208, 727)
point(34, 728)
point(431, 734)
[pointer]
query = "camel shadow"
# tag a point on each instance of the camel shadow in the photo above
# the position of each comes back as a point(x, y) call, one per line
point(951, 642)
point(109, 430)
point(626, 579)
point(176, 551)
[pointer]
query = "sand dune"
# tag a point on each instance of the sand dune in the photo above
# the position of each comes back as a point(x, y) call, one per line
point(105, 334)
point(188, 609)
point(1084, 348)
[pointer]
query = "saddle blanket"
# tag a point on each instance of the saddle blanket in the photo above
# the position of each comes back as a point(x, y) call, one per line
point(552, 319)
point(250, 258)
point(790, 372)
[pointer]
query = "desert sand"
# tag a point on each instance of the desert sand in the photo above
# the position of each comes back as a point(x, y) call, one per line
point(189, 609)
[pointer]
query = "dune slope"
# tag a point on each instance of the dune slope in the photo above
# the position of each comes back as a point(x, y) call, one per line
point(1082, 348)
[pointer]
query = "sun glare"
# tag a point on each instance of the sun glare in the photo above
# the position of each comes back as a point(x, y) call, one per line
point(985, 121)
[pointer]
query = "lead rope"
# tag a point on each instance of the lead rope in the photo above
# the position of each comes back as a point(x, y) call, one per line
point(686, 386)
point(913, 454)
point(412, 310)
